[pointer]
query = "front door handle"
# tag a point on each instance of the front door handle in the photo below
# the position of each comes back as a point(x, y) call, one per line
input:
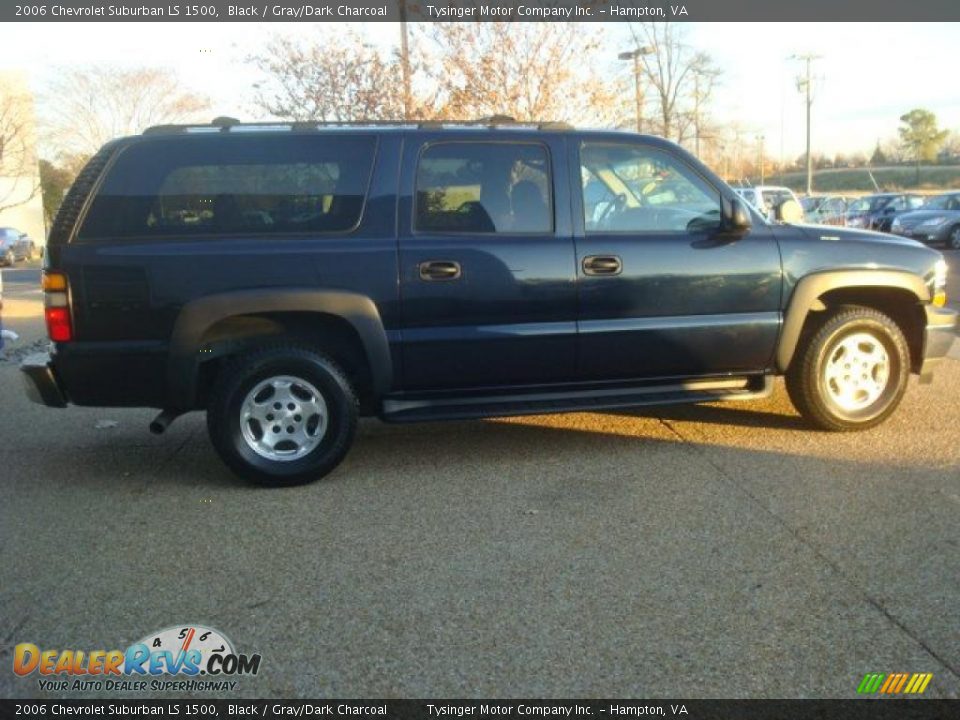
point(432, 270)
point(602, 265)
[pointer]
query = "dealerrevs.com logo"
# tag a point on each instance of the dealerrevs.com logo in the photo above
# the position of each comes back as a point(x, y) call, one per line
point(198, 658)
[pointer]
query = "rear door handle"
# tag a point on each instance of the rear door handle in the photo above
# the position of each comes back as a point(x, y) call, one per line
point(602, 265)
point(433, 270)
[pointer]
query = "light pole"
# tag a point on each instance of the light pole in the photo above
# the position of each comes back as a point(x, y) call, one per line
point(760, 139)
point(405, 61)
point(806, 84)
point(635, 55)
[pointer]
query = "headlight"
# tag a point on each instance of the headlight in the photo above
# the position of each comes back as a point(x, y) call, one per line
point(940, 283)
point(933, 222)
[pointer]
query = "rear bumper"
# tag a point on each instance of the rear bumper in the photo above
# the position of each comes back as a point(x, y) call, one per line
point(41, 382)
point(939, 335)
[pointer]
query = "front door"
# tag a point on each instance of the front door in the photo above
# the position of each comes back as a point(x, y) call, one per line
point(663, 292)
point(488, 288)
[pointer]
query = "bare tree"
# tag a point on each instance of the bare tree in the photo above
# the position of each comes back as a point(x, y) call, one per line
point(340, 79)
point(531, 71)
point(88, 106)
point(682, 79)
point(19, 179)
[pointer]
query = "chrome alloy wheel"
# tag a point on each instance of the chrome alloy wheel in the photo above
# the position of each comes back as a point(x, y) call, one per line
point(283, 418)
point(856, 371)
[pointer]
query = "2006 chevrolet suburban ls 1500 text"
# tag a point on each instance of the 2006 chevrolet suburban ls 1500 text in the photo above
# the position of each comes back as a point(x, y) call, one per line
point(287, 279)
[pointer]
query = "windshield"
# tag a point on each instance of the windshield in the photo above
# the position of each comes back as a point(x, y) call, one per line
point(943, 202)
point(871, 203)
point(809, 204)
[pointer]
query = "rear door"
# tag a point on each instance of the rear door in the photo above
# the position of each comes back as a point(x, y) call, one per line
point(663, 292)
point(487, 277)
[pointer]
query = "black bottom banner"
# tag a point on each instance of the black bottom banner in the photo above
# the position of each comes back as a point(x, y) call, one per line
point(865, 709)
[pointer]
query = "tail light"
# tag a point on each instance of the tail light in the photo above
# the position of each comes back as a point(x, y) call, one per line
point(56, 306)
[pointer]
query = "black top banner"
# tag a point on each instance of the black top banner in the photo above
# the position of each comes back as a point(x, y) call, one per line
point(481, 11)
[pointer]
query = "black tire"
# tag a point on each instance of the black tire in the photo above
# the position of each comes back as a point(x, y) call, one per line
point(953, 239)
point(813, 395)
point(244, 374)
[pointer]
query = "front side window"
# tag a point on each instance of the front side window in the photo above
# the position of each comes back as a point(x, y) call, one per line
point(476, 187)
point(186, 187)
point(834, 206)
point(632, 188)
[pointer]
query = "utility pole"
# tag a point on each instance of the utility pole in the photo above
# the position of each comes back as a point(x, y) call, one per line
point(635, 55)
point(696, 114)
point(806, 84)
point(405, 61)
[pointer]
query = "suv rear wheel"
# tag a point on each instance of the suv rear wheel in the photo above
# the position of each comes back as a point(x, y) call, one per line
point(852, 371)
point(283, 415)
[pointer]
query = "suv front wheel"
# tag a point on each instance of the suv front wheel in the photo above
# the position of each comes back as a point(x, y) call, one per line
point(852, 371)
point(282, 415)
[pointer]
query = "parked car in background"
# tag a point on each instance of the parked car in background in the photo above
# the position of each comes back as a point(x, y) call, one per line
point(936, 223)
point(768, 199)
point(15, 246)
point(877, 212)
point(825, 209)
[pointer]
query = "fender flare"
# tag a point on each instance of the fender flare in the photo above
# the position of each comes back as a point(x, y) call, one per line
point(808, 290)
point(201, 314)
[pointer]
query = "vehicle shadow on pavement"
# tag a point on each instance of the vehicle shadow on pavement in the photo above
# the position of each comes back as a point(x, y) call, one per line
point(729, 414)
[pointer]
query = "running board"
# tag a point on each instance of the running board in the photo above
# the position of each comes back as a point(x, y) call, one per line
point(611, 398)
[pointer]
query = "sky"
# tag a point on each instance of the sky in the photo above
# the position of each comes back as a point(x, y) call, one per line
point(869, 73)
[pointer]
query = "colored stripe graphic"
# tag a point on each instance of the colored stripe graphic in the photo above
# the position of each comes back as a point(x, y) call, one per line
point(871, 682)
point(891, 679)
point(894, 683)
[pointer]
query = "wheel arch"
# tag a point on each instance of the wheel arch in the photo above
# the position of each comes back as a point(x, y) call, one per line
point(885, 290)
point(234, 316)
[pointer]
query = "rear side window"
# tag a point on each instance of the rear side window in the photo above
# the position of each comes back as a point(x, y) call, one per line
point(476, 187)
point(208, 186)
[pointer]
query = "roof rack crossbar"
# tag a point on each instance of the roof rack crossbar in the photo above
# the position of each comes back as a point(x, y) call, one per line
point(224, 124)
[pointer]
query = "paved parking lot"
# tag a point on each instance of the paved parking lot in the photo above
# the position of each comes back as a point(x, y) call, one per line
point(719, 550)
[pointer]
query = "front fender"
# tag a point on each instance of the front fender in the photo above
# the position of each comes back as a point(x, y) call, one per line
point(198, 316)
point(810, 288)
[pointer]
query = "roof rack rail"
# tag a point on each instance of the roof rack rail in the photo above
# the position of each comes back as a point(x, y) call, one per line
point(229, 124)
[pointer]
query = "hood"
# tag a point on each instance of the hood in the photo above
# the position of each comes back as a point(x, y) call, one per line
point(830, 233)
point(915, 217)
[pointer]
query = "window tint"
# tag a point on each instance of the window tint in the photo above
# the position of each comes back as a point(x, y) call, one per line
point(470, 187)
point(192, 186)
point(631, 188)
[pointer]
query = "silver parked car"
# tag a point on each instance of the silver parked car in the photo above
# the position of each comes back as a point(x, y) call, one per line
point(15, 246)
point(936, 223)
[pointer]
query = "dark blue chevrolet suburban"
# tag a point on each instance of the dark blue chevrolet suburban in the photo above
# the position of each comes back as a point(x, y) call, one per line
point(290, 278)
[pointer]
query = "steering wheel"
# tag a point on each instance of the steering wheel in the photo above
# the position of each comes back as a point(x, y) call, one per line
point(618, 203)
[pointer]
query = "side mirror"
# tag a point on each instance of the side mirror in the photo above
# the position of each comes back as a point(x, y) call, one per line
point(738, 219)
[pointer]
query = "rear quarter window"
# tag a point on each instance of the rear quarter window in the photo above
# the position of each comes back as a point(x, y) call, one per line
point(181, 187)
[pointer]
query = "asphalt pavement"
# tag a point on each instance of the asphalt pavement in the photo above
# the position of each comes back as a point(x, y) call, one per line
point(708, 551)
